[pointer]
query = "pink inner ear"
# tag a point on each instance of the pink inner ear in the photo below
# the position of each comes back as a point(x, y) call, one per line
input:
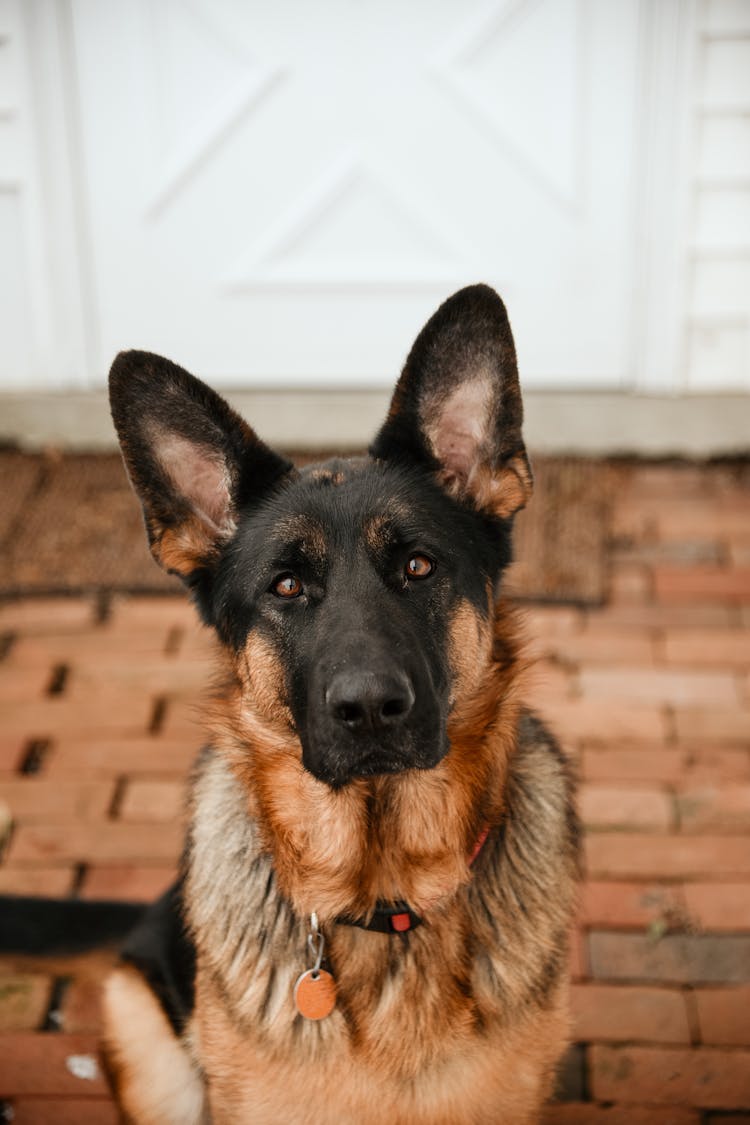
point(459, 433)
point(200, 476)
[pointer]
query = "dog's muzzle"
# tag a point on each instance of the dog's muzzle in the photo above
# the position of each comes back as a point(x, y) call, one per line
point(369, 702)
point(365, 721)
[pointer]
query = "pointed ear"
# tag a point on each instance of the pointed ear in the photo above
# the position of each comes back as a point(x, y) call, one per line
point(457, 405)
point(192, 461)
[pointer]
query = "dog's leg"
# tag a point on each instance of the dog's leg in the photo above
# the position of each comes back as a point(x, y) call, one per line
point(155, 1080)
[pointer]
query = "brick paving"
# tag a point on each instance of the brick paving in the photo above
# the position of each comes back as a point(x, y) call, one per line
point(651, 695)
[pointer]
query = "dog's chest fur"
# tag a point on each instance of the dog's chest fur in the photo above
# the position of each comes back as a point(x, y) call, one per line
point(463, 980)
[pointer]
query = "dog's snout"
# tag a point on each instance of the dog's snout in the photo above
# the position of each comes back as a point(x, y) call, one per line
point(369, 701)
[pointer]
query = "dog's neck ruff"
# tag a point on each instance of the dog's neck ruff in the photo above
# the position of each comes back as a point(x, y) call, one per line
point(398, 917)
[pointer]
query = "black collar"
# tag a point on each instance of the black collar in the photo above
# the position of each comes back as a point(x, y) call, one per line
point(387, 918)
point(398, 917)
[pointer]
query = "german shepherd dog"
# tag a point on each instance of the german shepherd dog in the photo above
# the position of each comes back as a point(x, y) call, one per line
point(380, 868)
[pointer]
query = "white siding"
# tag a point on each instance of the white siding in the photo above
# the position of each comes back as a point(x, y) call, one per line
point(718, 312)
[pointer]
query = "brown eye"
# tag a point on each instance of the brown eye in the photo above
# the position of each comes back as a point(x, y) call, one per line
point(419, 566)
point(288, 586)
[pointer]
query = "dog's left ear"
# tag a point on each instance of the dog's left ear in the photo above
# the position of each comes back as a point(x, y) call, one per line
point(192, 461)
point(457, 406)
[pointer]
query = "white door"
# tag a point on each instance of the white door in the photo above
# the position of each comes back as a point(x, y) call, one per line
point(279, 193)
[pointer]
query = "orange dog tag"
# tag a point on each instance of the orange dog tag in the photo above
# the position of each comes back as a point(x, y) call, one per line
point(315, 994)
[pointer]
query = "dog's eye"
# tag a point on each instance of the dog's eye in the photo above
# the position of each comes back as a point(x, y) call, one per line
point(287, 586)
point(419, 566)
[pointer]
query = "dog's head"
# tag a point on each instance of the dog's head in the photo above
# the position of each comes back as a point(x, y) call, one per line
point(356, 596)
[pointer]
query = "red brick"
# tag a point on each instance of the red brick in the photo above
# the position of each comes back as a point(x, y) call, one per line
point(47, 615)
point(551, 621)
point(56, 882)
point(108, 648)
point(676, 553)
point(81, 1006)
point(708, 519)
point(128, 882)
point(659, 764)
point(710, 809)
point(631, 905)
point(606, 721)
point(724, 1015)
point(630, 582)
point(184, 719)
point(124, 714)
point(24, 999)
point(65, 1111)
point(658, 685)
point(667, 482)
point(23, 685)
point(634, 856)
point(578, 960)
point(39, 1063)
point(703, 724)
point(702, 1077)
point(719, 906)
point(549, 683)
point(112, 756)
point(11, 752)
point(717, 765)
point(608, 646)
point(87, 843)
point(173, 612)
point(673, 958)
point(707, 647)
point(614, 1013)
point(609, 806)
point(200, 641)
point(34, 800)
point(589, 1113)
point(153, 801)
point(678, 615)
point(739, 553)
point(686, 583)
point(140, 676)
point(632, 521)
point(632, 765)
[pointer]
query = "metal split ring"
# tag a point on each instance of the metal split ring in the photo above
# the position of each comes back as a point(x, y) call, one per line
point(316, 943)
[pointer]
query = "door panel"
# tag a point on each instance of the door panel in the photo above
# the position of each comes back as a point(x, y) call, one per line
point(280, 193)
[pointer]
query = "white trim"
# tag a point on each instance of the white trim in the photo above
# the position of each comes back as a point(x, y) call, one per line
point(64, 341)
point(591, 423)
point(669, 39)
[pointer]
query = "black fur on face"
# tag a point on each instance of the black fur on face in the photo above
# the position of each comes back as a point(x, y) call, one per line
point(362, 642)
point(347, 572)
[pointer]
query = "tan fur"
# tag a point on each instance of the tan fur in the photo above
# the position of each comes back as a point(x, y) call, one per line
point(330, 855)
point(464, 1022)
point(429, 1033)
point(498, 1078)
point(155, 1081)
point(461, 1020)
point(444, 1029)
point(376, 531)
point(502, 492)
point(307, 534)
point(327, 476)
point(181, 549)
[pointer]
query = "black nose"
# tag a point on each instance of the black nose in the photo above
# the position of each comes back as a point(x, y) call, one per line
point(369, 700)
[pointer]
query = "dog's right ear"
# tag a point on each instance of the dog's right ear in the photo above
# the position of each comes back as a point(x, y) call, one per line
point(192, 461)
point(457, 406)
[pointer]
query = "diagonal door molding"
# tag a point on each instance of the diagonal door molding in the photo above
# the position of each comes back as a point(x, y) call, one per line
point(239, 83)
point(496, 69)
point(355, 226)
